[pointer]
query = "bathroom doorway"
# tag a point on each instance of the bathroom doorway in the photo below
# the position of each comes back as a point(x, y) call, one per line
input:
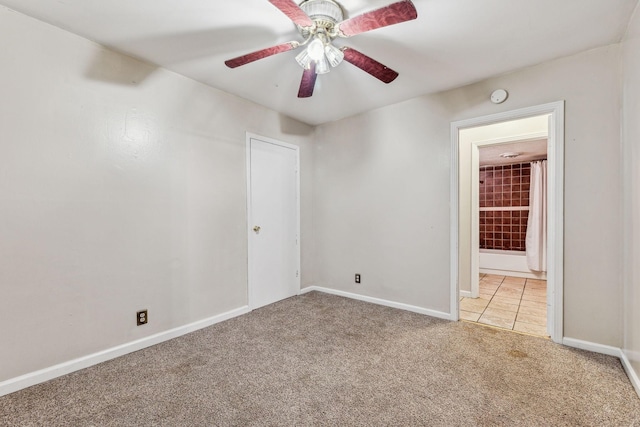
point(492, 205)
point(508, 268)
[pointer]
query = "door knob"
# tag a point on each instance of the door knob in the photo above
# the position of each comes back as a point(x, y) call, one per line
point(256, 229)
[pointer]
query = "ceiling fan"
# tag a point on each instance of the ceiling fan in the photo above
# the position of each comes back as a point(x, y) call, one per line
point(320, 22)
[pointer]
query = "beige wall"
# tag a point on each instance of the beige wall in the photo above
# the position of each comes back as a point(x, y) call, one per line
point(631, 155)
point(381, 190)
point(382, 204)
point(121, 187)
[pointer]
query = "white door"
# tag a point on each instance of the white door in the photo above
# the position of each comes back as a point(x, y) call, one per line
point(273, 223)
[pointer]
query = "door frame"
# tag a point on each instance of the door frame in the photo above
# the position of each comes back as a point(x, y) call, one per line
point(249, 137)
point(555, 231)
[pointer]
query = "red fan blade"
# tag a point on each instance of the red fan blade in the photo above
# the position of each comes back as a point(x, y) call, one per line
point(395, 13)
point(254, 56)
point(293, 11)
point(371, 66)
point(308, 82)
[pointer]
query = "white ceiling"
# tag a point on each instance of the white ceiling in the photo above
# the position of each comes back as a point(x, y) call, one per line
point(527, 151)
point(452, 43)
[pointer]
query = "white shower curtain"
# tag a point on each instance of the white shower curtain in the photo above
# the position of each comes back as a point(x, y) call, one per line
point(536, 243)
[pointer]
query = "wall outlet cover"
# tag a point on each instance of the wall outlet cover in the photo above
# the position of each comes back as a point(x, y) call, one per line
point(142, 317)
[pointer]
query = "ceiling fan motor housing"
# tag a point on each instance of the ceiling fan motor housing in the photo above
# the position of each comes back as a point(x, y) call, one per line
point(324, 13)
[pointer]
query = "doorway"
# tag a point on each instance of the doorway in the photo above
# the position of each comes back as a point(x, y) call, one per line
point(273, 213)
point(508, 226)
point(465, 270)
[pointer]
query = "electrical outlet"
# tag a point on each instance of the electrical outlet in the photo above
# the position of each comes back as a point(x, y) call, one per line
point(143, 317)
point(357, 278)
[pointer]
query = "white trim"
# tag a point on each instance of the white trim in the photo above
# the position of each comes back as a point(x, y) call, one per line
point(525, 137)
point(591, 346)
point(555, 232)
point(475, 220)
point(466, 294)
point(454, 223)
point(525, 275)
point(43, 375)
point(378, 301)
point(504, 208)
point(609, 351)
point(555, 153)
point(271, 141)
point(631, 373)
point(249, 137)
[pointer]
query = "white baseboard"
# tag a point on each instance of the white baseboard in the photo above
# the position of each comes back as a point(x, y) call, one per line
point(591, 346)
point(43, 375)
point(387, 303)
point(631, 373)
point(512, 273)
point(610, 351)
point(466, 294)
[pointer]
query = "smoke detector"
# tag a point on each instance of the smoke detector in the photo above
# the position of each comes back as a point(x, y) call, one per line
point(499, 96)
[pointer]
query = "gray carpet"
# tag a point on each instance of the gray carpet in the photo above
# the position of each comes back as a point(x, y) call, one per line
point(324, 360)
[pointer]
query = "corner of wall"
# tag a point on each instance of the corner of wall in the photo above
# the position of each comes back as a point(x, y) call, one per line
point(630, 152)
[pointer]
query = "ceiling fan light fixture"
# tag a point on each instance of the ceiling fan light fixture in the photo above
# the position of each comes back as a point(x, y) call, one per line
point(322, 66)
point(304, 59)
point(316, 49)
point(334, 55)
point(509, 155)
point(324, 56)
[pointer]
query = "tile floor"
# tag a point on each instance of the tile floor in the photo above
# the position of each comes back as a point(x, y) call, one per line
point(509, 302)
